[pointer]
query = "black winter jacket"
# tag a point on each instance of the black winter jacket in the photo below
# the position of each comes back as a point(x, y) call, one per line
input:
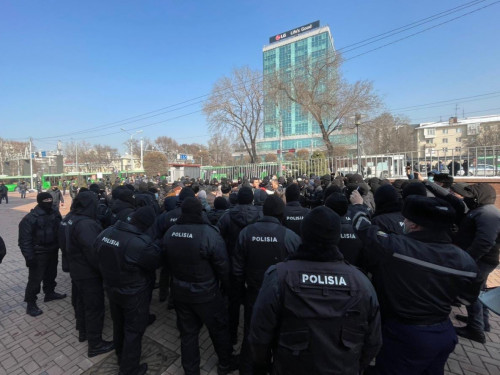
point(350, 245)
point(120, 210)
point(294, 214)
point(83, 229)
point(259, 246)
point(196, 257)
point(127, 258)
point(234, 220)
point(391, 222)
point(317, 315)
point(38, 232)
point(419, 275)
point(479, 230)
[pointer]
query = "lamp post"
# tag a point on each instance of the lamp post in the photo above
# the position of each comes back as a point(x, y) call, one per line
point(357, 122)
point(131, 135)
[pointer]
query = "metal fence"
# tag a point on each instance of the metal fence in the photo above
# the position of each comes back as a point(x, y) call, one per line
point(472, 161)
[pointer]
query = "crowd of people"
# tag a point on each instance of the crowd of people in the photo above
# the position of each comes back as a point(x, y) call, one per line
point(336, 274)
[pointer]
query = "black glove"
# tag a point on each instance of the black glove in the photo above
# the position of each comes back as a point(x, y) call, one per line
point(32, 262)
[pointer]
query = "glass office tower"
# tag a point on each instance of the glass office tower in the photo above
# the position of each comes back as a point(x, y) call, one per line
point(299, 129)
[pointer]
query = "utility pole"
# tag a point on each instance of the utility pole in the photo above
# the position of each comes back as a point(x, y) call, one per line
point(142, 155)
point(357, 122)
point(76, 150)
point(31, 166)
point(131, 156)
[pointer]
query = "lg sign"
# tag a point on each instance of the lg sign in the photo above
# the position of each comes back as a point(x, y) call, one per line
point(296, 31)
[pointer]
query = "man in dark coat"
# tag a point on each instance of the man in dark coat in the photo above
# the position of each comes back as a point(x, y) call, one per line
point(479, 235)
point(82, 231)
point(230, 226)
point(417, 276)
point(316, 313)
point(4, 193)
point(128, 258)
point(196, 257)
point(57, 198)
point(260, 245)
point(294, 212)
point(39, 244)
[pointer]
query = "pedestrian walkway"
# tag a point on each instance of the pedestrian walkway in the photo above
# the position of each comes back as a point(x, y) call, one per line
point(48, 344)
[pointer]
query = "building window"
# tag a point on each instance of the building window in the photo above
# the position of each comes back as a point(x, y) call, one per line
point(458, 149)
point(459, 139)
point(430, 131)
point(430, 140)
point(459, 130)
point(445, 140)
point(445, 131)
point(445, 149)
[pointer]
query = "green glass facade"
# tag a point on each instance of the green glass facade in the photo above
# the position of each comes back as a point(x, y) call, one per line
point(299, 129)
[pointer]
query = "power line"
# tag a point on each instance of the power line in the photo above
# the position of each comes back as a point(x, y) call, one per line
point(422, 31)
point(348, 48)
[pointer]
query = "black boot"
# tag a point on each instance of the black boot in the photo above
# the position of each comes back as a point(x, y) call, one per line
point(100, 347)
point(52, 296)
point(151, 319)
point(471, 334)
point(143, 368)
point(82, 335)
point(232, 365)
point(33, 310)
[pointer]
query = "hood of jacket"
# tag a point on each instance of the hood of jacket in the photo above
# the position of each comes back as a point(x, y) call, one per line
point(483, 193)
point(244, 214)
point(85, 204)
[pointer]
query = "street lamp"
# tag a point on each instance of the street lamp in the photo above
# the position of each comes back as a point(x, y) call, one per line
point(131, 157)
point(357, 122)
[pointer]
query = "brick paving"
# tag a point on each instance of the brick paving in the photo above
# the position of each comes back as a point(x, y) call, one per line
point(48, 344)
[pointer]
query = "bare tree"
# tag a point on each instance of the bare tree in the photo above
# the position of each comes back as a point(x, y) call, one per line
point(489, 135)
point(155, 162)
point(317, 86)
point(219, 148)
point(11, 150)
point(235, 107)
point(387, 134)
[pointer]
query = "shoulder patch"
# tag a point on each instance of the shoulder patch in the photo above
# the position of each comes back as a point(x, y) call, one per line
point(382, 234)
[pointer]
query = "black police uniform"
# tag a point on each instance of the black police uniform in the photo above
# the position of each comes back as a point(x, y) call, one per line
point(259, 246)
point(391, 222)
point(197, 260)
point(230, 226)
point(39, 244)
point(293, 216)
point(82, 230)
point(318, 317)
point(417, 276)
point(120, 210)
point(349, 244)
point(127, 260)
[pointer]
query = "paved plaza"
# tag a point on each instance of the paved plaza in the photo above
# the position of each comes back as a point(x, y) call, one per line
point(48, 344)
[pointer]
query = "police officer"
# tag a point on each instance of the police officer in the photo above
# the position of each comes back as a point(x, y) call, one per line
point(349, 244)
point(162, 224)
point(260, 245)
point(479, 235)
point(294, 212)
point(39, 244)
point(82, 230)
point(128, 258)
point(316, 313)
point(418, 276)
point(122, 205)
point(196, 257)
point(230, 225)
point(388, 207)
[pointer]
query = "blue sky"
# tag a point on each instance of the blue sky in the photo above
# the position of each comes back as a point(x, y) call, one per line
point(67, 66)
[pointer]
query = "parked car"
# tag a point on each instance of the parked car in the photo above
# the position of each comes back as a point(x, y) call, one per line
point(482, 170)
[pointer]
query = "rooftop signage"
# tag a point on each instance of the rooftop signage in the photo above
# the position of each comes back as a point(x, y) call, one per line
point(294, 32)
